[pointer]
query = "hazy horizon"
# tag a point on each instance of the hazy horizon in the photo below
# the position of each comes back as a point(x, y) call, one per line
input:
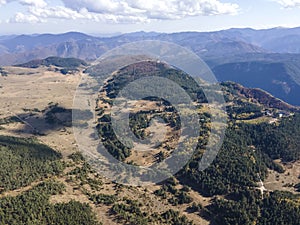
point(143, 31)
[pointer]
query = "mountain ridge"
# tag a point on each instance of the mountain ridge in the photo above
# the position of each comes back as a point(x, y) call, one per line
point(275, 77)
point(16, 45)
point(217, 48)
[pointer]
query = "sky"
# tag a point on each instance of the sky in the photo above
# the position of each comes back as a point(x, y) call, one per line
point(124, 16)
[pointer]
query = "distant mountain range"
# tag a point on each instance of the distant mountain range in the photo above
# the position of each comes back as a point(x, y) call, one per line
point(267, 59)
point(22, 48)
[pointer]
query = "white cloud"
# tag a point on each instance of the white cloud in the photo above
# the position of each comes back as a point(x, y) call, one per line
point(289, 3)
point(61, 12)
point(155, 9)
point(2, 2)
point(55, 12)
point(129, 11)
point(22, 18)
point(35, 3)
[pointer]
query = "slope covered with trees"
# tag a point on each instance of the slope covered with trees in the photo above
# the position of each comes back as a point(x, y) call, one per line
point(33, 207)
point(23, 161)
point(252, 142)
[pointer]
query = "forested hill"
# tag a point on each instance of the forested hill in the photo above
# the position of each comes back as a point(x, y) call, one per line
point(41, 185)
point(261, 129)
point(63, 65)
point(54, 61)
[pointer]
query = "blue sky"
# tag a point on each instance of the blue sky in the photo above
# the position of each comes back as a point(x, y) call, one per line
point(115, 16)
